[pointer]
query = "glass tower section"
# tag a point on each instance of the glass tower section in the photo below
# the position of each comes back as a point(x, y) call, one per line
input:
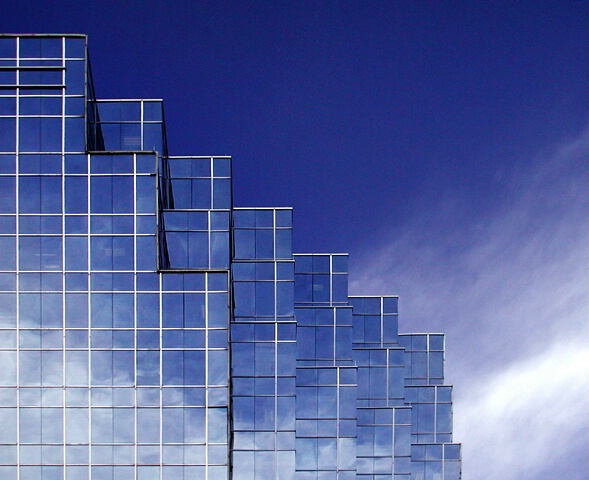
point(263, 333)
point(326, 375)
point(150, 330)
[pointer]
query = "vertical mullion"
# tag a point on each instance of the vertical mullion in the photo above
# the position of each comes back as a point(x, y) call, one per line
point(334, 335)
point(443, 460)
point(141, 126)
point(382, 322)
point(63, 285)
point(212, 176)
point(275, 345)
point(337, 418)
point(207, 373)
point(135, 252)
point(160, 358)
point(330, 279)
point(17, 259)
point(387, 371)
point(436, 414)
point(427, 357)
point(89, 300)
point(394, 412)
point(209, 237)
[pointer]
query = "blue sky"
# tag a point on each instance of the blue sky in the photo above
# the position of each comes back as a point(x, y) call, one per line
point(443, 144)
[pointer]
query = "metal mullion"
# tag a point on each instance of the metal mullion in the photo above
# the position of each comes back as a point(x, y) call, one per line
point(17, 259)
point(330, 279)
point(161, 380)
point(393, 440)
point(275, 343)
point(89, 298)
point(443, 460)
point(435, 414)
point(275, 396)
point(337, 418)
point(63, 284)
point(87, 84)
point(209, 225)
point(48, 86)
point(207, 371)
point(33, 67)
point(141, 123)
point(40, 115)
point(135, 383)
point(129, 100)
point(427, 357)
point(135, 392)
point(334, 334)
point(212, 174)
point(230, 281)
point(134, 220)
point(387, 372)
point(382, 322)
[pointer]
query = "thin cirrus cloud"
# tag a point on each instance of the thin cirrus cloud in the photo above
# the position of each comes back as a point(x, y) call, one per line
point(509, 289)
point(529, 420)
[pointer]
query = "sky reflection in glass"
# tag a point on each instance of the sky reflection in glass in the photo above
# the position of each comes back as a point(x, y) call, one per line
point(150, 330)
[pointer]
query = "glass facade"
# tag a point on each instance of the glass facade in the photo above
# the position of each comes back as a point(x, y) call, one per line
point(150, 330)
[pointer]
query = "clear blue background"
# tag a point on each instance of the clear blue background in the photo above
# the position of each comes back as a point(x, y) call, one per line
point(442, 144)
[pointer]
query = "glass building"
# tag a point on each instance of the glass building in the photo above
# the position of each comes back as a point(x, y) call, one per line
point(151, 330)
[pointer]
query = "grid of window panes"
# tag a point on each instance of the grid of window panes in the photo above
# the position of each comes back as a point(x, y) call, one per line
point(424, 358)
point(433, 456)
point(127, 125)
point(34, 71)
point(324, 335)
point(432, 413)
point(145, 360)
point(381, 376)
point(326, 423)
point(396, 370)
point(321, 279)
point(376, 322)
point(436, 462)
point(384, 422)
point(263, 348)
point(380, 360)
point(326, 376)
point(324, 318)
point(196, 223)
point(149, 330)
point(119, 372)
point(41, 127)
point(384, 443)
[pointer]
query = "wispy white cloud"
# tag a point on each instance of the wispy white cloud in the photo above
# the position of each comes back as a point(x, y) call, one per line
point(517, 422)
point(509, 288)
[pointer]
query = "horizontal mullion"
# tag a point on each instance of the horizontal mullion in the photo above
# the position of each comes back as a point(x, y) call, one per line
point(31, 67)
point(60, 86)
